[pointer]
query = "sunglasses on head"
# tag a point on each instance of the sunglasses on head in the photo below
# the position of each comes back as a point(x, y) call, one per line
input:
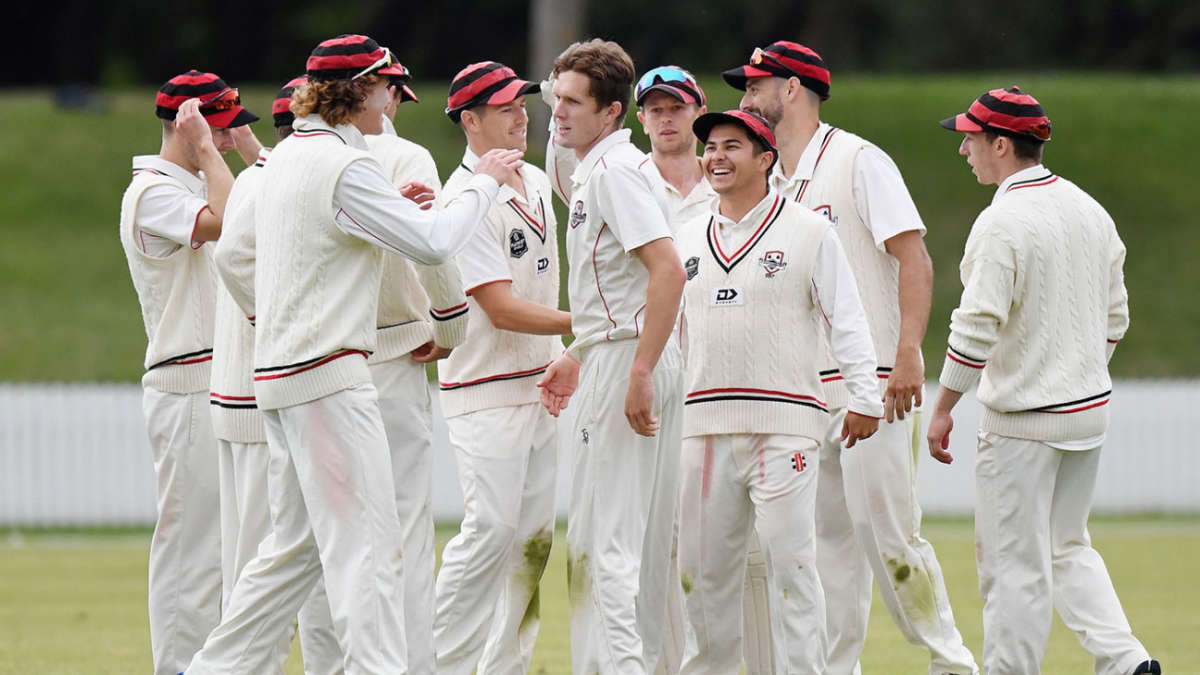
point(760, 54)
point(665, 75)
point(226, 99)
point(383, 62)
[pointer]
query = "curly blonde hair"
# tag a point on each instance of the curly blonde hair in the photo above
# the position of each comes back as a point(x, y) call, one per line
point(335, 101)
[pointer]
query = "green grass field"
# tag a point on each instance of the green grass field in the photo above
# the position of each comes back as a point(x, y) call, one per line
point(72, 314)
point(75, 602)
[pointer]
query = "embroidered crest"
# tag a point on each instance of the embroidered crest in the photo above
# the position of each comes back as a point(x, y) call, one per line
point(772, 262)
point(692, 267)
point(516, 243)
point(577, 215)
point(827, 211)
point(543, 266)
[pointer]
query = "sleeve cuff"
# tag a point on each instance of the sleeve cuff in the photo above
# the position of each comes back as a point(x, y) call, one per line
point(958, 375)
point(866, 408)
point(450, 333)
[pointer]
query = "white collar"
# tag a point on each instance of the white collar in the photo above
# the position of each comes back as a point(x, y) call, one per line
point(753, 217)
point(313, 124)
point(589, 161)
point(807, 163)
point(506, 193)
point(194, 183)
point(1029, 175)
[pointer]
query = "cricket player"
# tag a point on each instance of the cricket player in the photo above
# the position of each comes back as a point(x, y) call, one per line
point(868, 515)
point(625, 282)
point(1042, 309)
point(173, 205)
point(505, 443)
point(237, 423)
point(765, 276)
point(324, 216)
point(422, 316)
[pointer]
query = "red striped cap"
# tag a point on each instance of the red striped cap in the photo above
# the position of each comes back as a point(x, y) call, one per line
point(281, 108)
point(215, 96)
point(783, 59)
point(754, 125)
point(1009, 112)
point(485, 83)
point(345, 56)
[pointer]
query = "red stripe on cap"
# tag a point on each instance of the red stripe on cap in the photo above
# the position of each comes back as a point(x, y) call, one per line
point(193, 77)
point(343, 61)
point(469, 92)
point(1010, 122)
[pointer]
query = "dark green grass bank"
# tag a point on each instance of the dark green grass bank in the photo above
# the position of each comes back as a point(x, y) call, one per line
point(70, 313)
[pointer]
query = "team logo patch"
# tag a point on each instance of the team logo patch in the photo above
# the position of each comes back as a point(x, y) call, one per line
point(727, 297)
point(516, 243)
point(798, 462)
point(543, 266)
point(772, 262)
point(577, 215)
point(692, 267)
point(826, 211)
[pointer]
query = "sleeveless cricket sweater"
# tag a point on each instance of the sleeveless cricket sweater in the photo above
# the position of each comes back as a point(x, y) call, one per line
point(752, 338)
point(235, 413)
point(177, 294)
point(316, 288)
point(830, 192)
point(495, 367)
point(417, 303)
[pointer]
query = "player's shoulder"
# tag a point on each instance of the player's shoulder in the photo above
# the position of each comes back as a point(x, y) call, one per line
point(456, 182)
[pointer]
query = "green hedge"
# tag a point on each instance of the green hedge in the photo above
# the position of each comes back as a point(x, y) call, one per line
point(70, 312)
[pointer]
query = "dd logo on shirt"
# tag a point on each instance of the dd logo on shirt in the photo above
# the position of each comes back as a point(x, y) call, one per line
point(516, 243)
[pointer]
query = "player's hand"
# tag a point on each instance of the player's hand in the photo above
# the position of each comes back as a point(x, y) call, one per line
point(192, 126)
point(639, 404)
point(428, 353)
point(246, 143)
point(558, 383)
point(420, 193)
point(939, 436)
point(905, 385)
point(857, 427)
point(500, 164)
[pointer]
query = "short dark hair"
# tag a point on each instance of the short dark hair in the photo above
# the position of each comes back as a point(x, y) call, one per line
point(608, 67)
point(1023, 147)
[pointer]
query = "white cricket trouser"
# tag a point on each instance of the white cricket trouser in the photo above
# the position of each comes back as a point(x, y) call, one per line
point(333, 514)
point(1034, 552)
point(245, 517)
point(869, 524)
point(673, 626)
point(732, 484)
point(487, 589)
point(407, 411)
point(185, 551)
point(624, 494)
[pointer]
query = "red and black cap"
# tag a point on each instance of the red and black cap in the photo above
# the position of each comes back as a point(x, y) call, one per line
point(754, 125)
point(1008, 112)
point(485, 83)
point(220, 104)
point(783, 59)
point(281, 108)
point(348, 57)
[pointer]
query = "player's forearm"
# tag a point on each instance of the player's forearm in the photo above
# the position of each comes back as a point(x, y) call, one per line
point(915, 297)
point(523, 316)
point(947, 398)
point(218, 178)
point(663, 295)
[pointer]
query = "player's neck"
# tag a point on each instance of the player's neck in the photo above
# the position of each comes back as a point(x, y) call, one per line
point(793, 134)
point(682, 170)
point(177, 153)
point(736, 204)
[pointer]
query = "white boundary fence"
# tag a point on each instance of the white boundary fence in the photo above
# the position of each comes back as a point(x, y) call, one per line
point(77, 454)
